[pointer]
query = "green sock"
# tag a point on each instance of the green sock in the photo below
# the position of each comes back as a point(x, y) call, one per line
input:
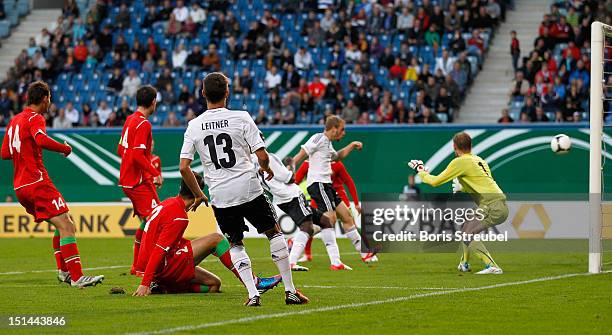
point(481, 252)
point(221, 248)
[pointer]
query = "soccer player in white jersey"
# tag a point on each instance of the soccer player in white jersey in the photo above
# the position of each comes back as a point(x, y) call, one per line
point(321, 153)
point(290, 198)
point(225, 139)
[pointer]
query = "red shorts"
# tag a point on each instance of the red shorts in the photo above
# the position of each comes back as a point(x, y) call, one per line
point(42, 200)
point(179, 271)
point(144, 198)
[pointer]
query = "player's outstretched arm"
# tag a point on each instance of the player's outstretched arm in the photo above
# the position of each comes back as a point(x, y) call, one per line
point(452, 171)
point(192, 183)
point(342, 154)
point(50, 144)
point(141, 160)
point(297, 159)
point(264, 162)
point(350, 183)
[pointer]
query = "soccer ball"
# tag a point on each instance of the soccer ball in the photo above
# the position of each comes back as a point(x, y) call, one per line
point(561, 144)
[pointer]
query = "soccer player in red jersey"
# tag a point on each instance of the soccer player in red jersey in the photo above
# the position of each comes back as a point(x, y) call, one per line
point(341, 177)
point(137, 175)
point(170, 261)
point(24, 139)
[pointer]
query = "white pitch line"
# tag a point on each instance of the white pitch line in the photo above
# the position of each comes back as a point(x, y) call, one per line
point(381, 287)
point(354, 305)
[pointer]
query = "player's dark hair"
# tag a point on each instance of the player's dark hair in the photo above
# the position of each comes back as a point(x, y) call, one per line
point(186, 192)
point(37, 92)
point(215, 87)
point(145, 96)
point(333, 121)
point(463, 142)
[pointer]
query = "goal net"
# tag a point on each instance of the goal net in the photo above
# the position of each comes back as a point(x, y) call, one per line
point(600, 197)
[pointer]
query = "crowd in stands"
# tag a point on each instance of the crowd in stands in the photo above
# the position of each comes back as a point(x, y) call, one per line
point(552, 82)
point(289, 62)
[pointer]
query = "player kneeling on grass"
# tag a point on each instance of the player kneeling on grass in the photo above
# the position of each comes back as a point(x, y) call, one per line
point(24, 139)
point(170, 261)
point(473, 176)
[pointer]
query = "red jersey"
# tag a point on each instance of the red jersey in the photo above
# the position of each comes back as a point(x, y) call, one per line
point(20, 145)
point(163, 232)
point(339, 177)
point(135, 150)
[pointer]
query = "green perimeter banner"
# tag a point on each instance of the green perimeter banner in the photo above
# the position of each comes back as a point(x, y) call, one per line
point(520, 158)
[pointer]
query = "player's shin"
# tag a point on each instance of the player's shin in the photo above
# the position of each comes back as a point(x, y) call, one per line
point(70, 253)
point(299, 243)
point(481, 252)
point(280, 256)
point(59, 260)
point(353, 235)
point(242, 263)
point(328, 235)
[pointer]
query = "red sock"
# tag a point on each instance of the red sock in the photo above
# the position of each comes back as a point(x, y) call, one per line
point(222, 252)
point(136, 247)
point(308, 248)
point(59, 260)
point(70, 252)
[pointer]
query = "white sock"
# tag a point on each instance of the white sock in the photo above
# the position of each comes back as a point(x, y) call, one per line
point(242, 264)
point(355, 238)
point(328, 235)
point(299, 243)
point(280, 256)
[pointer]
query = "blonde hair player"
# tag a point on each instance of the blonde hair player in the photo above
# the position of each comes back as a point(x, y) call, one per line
point(471, 174)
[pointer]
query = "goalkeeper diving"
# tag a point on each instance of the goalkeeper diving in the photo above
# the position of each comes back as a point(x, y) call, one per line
point(471, 174)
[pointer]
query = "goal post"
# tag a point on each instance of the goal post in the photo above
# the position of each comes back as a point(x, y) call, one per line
point(596, 137)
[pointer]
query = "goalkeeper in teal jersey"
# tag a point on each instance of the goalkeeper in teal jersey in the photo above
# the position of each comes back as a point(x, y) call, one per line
point(471, 174)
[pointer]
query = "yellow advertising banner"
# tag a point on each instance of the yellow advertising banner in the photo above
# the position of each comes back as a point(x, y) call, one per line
point(95, 220)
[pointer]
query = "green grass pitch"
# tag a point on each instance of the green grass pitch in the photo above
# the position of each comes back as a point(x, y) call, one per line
point(403, 293)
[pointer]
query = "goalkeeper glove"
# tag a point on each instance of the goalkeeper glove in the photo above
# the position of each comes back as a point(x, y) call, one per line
point(417, 165)
point(457, 187)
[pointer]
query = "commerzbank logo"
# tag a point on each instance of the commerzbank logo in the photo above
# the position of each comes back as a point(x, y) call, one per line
point(101, 164)
point(501, 147)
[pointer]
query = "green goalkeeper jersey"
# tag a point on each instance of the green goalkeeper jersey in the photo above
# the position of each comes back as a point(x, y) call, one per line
point(474, 175)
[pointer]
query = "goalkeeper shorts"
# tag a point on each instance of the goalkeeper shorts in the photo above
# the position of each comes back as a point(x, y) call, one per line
point(495, 213)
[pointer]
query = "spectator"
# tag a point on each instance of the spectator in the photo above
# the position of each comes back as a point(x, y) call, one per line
point(167, 95)
point(505, 118)
point(180, 12)
point(316, 89)
point(171, 120)
point(115, 83)
point(72, 114)
point(195, 57)
point(529, 107)
point(397, 71)
point(122, 18)
point(539, 115)
point(197, 14)
point(262, 117)
point(350, 112)
point(173, 27)
point(291, 79)
point(179, 56)
point(130, 84)
point(273, 78)
point(445, 63)
point(519, 87)
point(302, 59)
point(405, 20)
point(112, 120)
point(103, 112)
point(515, 50)
point(61, 121)
point(353, 54)
point(123, 112)
point(427, 116)
point(212, 61)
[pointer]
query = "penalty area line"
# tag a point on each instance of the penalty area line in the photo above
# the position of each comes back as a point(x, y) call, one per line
point(356, 305)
